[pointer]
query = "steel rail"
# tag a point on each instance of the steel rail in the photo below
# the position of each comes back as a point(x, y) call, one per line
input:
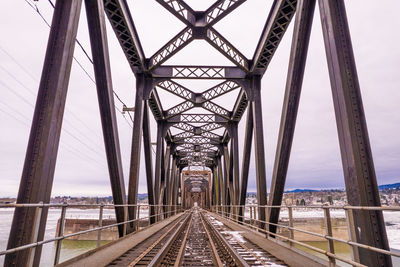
point(183, 245)
point(214, 249)
point(238, 259)
point(141, 256)
point(156, 261)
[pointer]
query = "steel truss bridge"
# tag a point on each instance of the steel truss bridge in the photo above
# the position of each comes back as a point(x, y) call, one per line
point(198, 141)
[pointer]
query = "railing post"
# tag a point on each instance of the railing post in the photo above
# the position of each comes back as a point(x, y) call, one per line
point(38, 215)
point(149, 215)
point(137, 217)
point(328, 226)
point(291, 232)
point(100, 224)
point(125, 219)
point(60, 232)
point(266, 223)
point(255, 211)
point(352, 235)
point(251, 215)
point(157, 213)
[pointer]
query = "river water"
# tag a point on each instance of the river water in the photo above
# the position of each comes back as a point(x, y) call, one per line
point(72, 248)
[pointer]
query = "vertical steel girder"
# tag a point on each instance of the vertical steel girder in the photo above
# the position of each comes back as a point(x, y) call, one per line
point(358, 166)
point(182, 187)
point(159, 158)
point(162, 178)
point(232, 193)
point(148, 160)
point(167, 182)
point(229, 175)
point(101, 62)
point(141, 87)
point(179, 185)
point(235, 161)
point(217, 184)
point(173, 182)
point(38, 172)
point(222, 180)
point(226, 172)
point(261, 179)
point(248, 139)
point(213, 186)
point(298, 56)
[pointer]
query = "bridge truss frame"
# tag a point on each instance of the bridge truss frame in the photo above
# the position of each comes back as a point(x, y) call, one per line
point(198, 145)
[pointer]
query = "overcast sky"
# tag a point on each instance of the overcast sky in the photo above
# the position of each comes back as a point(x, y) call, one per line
point(315, 161)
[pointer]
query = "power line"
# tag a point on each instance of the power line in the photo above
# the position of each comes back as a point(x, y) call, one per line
point(35, 7)
point(32, 92)
point(30, 104)
point(25, 123)
point(16, 80)
point(12, 115)
point(20, 65)
point(124, 117)
point(17, 94)
point(15, 110)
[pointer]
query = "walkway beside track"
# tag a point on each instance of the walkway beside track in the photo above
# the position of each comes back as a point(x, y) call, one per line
point(193, 238)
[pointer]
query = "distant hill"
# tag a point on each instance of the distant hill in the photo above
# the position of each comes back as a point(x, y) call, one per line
point(380, 187)
point(389, 186)
point(142, 196)
point(302, 190)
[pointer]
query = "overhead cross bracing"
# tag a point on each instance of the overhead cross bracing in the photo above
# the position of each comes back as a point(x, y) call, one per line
point(199, 130)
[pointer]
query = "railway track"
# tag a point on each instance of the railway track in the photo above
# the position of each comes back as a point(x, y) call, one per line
point(252, 254)
point(196, 239)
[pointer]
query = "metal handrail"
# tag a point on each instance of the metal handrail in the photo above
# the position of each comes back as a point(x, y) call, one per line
point(42, 205)
point(321, 251)
point(66, 205)
point(220, 209)
point(344, 207)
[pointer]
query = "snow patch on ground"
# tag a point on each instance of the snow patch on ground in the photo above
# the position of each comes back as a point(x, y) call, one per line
point(235, 235)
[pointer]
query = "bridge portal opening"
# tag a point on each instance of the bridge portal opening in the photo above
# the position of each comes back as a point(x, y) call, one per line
point(197, 188)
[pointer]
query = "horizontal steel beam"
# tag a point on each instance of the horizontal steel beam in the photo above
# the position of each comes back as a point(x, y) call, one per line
point(198, 72)
point(197, 118)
